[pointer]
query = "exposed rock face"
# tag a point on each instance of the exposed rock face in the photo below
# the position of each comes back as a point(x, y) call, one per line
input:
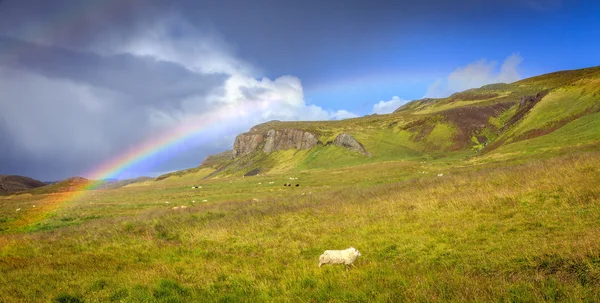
point(284, 139)
point(274, 140)
point(246, 143)
point(289, 138)
point(349, 142)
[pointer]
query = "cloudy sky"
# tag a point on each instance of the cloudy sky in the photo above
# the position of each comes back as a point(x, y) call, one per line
point(83, 83)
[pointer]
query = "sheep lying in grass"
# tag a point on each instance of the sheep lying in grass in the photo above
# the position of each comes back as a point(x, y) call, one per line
point(346, 257)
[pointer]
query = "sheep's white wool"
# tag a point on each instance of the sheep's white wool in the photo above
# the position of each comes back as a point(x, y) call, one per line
point(346, 257)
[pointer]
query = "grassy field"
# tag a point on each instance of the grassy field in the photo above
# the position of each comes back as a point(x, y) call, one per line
point(435, 219)
point(500, 231)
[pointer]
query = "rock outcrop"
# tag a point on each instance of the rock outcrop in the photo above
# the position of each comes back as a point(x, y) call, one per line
point(246, 143)
point(284, 139)
point(349, 142)
point(289, 138)
point(274, 140)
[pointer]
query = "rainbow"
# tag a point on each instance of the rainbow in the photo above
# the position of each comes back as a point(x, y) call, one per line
point(66, 22)
point(156, 144)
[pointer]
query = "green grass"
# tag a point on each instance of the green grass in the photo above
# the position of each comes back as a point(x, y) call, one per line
point(580, 132)
point(560, 105)
point(441, 136)
point(501, 232)
point(517, 224)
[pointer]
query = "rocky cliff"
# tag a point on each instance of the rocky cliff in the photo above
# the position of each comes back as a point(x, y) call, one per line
point(284, 139)
point(349, 142)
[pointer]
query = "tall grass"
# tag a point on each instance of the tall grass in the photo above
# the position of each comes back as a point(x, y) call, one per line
point(503, 232)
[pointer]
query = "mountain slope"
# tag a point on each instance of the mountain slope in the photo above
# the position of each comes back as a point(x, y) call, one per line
point(11, 183)
point(477, 124)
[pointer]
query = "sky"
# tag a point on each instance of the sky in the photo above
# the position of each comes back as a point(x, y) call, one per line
point(83, 83)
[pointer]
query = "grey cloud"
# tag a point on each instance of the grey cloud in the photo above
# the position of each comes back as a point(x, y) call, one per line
point(145, 79)
point(252, 93)
point(64, 112)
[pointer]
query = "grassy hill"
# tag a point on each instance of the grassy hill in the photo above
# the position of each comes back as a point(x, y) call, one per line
point(468, 123)
point(477, 197)
point(11, 184)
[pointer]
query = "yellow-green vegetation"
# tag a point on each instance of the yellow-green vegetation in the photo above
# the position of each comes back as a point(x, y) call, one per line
point(434, 219)
point(465, 123)
point(576, 134)
point(501, 232)
point(560, 106)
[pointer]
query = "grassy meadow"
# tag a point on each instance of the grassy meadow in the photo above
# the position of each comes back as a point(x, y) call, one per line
point(438, 214)
point(499, 231)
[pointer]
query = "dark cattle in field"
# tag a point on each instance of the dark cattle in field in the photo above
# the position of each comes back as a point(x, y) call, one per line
point(297, 185)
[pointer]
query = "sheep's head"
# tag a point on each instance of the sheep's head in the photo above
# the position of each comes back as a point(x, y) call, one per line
point(356, 251)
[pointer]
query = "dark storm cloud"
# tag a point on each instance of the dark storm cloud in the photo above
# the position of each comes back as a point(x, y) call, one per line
point(76, 23)
point(144, 79)
point(72, 97)
point(64, 112)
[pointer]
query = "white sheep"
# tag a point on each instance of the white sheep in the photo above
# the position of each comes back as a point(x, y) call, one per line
point(346, 257)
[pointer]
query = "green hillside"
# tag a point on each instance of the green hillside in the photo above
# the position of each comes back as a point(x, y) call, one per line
point(484, 121)
point(489, 195)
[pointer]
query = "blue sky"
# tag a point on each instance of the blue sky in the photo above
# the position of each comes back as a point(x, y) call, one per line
point(83, 82)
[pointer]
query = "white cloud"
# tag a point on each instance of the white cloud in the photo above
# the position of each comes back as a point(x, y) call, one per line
point(281, 98)
point(62, 122)
point(475, 75)
point(386, 107)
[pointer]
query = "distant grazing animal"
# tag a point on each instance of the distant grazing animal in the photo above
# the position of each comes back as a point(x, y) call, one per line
point(297, 185)
point(346, 257)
